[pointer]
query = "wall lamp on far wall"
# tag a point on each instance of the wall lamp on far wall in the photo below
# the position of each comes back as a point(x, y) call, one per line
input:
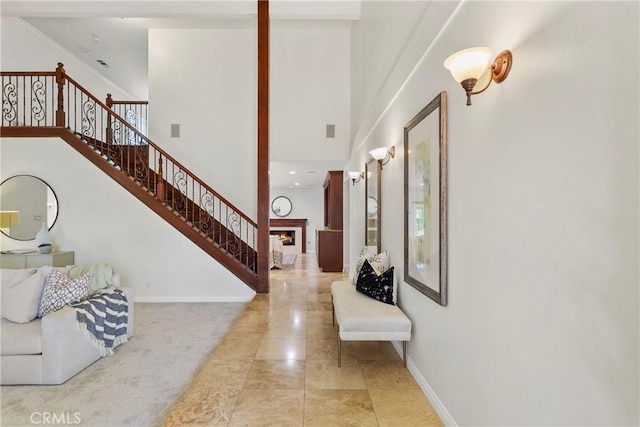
point(383, 154)
point(469, 65)
point(355, 176)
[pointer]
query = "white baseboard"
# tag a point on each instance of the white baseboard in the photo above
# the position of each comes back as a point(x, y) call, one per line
point(431, 395)
point(170, 299)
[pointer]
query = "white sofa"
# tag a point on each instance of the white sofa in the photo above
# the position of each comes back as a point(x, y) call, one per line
point(51, 349)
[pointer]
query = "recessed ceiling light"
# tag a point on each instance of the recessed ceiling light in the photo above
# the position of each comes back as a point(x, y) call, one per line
point(311, 171)
point(96, 38)
point(297, 183)
point(292, 172)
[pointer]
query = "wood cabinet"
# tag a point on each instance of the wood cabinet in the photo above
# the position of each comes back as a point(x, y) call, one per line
point(329, 250)
point(329, 240)
point(33, 260)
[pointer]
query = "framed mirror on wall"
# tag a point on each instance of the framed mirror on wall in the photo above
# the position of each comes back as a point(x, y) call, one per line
point(26, 202)
point(372, 171)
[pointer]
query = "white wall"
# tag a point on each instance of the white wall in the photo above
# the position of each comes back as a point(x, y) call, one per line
point(306, 203)
point(101, 222)
point(205, 80)
point(542, 326)
point(310, 88)
point(98, 219)
point(25, 49)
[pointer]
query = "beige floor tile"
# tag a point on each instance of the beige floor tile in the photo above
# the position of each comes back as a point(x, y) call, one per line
point(276, 374)
point(222, 374)
point(403, 408)
point(210, 406)
point(325, 374)
point(351, 408)
point(319, 305)
point(293, 316)
point(268, 408)
point(320, 317)
point(322, 331)
point(262, 302)
point(387, 375)
point(290, 305)
point(370, 350)
point(238, 347)
point(322, 349)
point(319, 297)
point(282, 349)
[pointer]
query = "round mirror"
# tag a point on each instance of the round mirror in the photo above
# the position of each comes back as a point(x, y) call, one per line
point(25, 203)
point(281, 206)
point(372, 207)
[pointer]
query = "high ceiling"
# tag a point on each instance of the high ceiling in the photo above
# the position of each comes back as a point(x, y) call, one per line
point(115, 33)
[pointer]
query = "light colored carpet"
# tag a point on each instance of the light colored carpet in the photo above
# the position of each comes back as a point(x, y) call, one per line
point(137, 385)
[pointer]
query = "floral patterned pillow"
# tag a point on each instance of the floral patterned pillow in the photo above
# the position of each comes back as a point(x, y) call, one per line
point(60, 290)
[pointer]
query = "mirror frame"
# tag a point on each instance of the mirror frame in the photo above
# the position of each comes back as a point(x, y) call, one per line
point(372, 175)
point(54, 195)
point(281, 214)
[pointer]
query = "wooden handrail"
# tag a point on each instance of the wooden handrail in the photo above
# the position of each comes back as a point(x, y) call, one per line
point(27, 73)
point(160, 150)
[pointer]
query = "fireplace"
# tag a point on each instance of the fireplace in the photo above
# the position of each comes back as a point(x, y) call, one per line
point(287, 237)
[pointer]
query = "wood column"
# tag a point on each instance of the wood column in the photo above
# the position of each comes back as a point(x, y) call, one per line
point(263, 147)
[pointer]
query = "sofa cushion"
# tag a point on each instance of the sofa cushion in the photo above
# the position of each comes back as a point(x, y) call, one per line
point(379, 287)
point(21, 301)
point(60, 290)
point(11, 276)
point(17, 338)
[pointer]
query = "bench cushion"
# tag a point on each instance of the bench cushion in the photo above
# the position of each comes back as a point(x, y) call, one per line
point(361, 318)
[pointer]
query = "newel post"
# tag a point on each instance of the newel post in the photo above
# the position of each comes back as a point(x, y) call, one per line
point(160, 182)
point(109, 130)
point(60, 115)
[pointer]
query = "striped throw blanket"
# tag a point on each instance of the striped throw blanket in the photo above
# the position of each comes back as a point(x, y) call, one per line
point(103, 318)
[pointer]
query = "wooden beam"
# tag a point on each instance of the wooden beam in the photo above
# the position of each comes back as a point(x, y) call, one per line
point(263, 147)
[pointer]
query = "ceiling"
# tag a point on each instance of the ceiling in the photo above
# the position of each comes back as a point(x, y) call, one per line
point(116, 33)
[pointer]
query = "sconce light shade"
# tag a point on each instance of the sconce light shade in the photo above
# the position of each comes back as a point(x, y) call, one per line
point(379, 153)
point(9, 219)
point(355, 176)
point(468, 65)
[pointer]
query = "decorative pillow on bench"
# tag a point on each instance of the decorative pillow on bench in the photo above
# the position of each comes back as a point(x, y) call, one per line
point(379, 262)
point(379, 287)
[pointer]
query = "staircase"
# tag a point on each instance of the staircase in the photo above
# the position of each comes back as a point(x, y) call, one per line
point(52, 104)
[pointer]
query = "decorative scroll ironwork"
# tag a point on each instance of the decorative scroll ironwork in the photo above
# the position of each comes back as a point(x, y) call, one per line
point(9, 102)
point(89, 118)
point(38, 100)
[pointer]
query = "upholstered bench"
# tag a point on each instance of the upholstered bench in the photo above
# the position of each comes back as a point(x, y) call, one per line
point(361, 318)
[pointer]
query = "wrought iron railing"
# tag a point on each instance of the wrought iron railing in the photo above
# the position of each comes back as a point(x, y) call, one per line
point(136, 113)
point(53, 99)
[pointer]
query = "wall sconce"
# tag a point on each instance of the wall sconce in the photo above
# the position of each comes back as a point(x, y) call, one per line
point(468, 65)
point(383, 154)
point(355, 176)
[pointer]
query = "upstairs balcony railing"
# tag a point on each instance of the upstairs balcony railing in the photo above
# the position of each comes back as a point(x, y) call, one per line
point(53, 99)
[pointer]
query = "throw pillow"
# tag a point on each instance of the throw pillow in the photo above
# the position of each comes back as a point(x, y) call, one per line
point(365, 253)
point(60, 290)
point(21, 301)
point(99, 275)
point(379, 287)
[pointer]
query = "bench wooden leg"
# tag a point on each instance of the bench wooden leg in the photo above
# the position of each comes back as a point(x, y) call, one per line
point(339, 351)
point(404, 353)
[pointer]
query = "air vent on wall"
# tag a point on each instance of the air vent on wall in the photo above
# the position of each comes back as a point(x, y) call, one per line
point(101, 62)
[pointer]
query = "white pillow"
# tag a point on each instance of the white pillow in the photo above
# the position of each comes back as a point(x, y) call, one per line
point(21, 301)
point(379, 262)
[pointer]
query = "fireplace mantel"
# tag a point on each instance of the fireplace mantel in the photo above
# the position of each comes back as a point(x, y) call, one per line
point(291, 222)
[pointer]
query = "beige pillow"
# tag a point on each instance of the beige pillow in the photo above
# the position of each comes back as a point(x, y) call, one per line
point(21, 301)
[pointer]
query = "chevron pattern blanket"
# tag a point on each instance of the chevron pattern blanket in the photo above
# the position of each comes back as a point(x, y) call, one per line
point(103, 318)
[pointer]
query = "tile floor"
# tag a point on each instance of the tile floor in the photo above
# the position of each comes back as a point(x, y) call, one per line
point(277, 367)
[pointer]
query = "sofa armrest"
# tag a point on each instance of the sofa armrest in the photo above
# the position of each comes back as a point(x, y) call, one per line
point(65, 349)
